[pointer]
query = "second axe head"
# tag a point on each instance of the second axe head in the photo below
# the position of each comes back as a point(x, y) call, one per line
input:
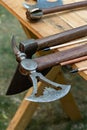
point(43, 4)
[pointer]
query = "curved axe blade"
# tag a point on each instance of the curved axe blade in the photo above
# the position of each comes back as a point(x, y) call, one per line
point(50, 95)
point(20, 83)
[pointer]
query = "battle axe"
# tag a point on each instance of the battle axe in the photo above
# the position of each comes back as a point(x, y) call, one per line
point(32, 67)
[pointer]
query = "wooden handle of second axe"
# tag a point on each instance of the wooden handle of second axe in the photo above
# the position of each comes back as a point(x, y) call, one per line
point(59, 57)
point(53, 40)
point(61, 38)
point(65, 7)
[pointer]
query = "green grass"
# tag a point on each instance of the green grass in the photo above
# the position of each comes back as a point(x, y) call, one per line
point(48, 116)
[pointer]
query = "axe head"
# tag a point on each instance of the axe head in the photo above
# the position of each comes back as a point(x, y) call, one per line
point(20, 83)
point(43, 4)
point(48, 4)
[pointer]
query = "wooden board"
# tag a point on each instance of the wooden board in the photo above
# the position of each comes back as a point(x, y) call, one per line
point(50, 24)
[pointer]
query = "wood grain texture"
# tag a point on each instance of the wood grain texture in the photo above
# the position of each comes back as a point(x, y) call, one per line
point(58, 57)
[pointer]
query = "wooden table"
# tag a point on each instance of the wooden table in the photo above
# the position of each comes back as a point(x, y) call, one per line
point(48, 25)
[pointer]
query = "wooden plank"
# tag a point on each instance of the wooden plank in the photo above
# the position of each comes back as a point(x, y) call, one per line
point(49, 27)
point(40, 29)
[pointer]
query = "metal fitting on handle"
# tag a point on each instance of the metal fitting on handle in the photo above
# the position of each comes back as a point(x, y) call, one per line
point(29, 47)
point(34, 14)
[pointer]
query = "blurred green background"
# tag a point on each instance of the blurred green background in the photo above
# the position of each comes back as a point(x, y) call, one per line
point(48, 116)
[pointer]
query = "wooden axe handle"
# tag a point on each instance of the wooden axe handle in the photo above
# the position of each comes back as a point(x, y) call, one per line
point(62, 37)
point(59, 57)
point(65, 7)
point(32, 45)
